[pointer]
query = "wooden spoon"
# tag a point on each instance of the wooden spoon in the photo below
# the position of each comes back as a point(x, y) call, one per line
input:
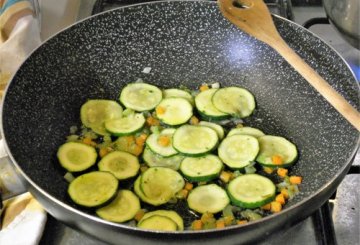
point(253, 17)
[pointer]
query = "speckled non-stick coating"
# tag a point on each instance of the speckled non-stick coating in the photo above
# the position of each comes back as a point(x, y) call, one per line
point(184, 43)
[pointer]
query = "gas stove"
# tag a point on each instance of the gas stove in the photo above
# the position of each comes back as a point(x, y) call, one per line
point(337, 221)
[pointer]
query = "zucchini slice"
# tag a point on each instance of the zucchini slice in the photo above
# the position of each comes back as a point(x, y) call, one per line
point(235, 101)
point(93, 189)
point(208, 199)
point(76, 157)
point(164, 149)
point(276, 146)
point(246, 131)
point(205, 106)
point(140, 96)
point(195, 140)
point(161, 184)
point(175, 111)
point(158, 222)
point(121, 164)
point(251, 191)
point(218, 128)
point(204, 168)
point(178, 93)
point(154, 160)
point(141, 195)
point(166, 213)
point(94, 113)
point(123, 208)
point(238, 151)
point(125, 125)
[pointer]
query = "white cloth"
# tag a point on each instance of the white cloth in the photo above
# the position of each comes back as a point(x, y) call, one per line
point(23, 217)
point(27, 227)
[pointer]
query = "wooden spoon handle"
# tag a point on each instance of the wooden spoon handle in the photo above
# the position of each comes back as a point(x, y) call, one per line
point(255, 19)
point(330, 94)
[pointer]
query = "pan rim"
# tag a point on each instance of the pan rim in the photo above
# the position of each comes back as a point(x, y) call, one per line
point(186, 232)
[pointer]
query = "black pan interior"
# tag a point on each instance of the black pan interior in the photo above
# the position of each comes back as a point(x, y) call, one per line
point(184, 43)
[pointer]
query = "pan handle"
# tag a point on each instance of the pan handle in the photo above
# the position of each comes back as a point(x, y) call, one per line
point(11, 181)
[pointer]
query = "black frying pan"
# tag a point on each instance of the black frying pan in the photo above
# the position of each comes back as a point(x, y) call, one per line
point(185, 43)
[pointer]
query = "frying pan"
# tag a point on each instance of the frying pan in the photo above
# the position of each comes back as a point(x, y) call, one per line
point(184, 43)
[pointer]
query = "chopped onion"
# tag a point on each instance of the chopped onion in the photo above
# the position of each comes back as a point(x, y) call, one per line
point(69, 177)
point(215, 85)
point(146, 70)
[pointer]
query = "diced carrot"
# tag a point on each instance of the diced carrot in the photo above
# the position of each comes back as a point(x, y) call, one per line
point(160, 110)
point(204, 87)
point(266, 206)
point(164, 140)
point(188, 186)
point(280, 198)
point(103, 152)
point(139, 215)
point(241, 222)
point(194, 120)
point(268, 170)
point(285, 193)
point(225, 176)
point(182, 194)
point(137, 150)
point(296, 180)
point(87, 140)
point(277, 159)
point(197, 224)
point(275, 207)
point(140, 140)
point(151, 121)
point(228, 220)
point(206, 217)
point(282, 172)
point(220, 224)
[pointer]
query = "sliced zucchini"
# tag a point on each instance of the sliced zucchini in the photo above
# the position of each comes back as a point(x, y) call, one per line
point(251, 191)
point(166, 213)
point(218, 128)
point(122, 208)
point(126, 125)
point(121, 164)
point(235, 101)
point(276, 146)
point(205, 106)
point(178, 93)
point(174, 111)
point(141, 195)
point(93, 189)
point(94, 113)
point(76, 157)
point(238, 151)
point(161, 183)
point(204, 168)
point(208, 199)
point(247, 131)
point(195, 140)
point(154, 160)
point(162, 143)
point(140, 96)
point(158, 222)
